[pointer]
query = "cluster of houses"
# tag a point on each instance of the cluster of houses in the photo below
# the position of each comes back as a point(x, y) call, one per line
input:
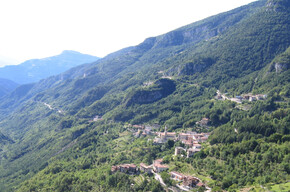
point(191, 142)
point(188, 151)
point(142, 130)
point(188, 139)
point(162, 137)
point(157, 167)
point(238, 99)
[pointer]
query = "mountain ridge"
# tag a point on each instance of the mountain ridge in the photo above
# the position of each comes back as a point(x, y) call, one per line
point(235, 61)
point(6, 86)
point(34, 70)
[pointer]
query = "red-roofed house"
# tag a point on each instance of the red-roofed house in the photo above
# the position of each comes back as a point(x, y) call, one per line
point(176, 176)
point(146, 168)
point(159, 168)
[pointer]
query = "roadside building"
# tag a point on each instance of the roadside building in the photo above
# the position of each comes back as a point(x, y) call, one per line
point(158, 166)
point(176, 176)
point(146, 168)
point(189, 181)
point(178, 150)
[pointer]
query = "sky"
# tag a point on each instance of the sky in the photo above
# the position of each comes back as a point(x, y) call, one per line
point(33, 29)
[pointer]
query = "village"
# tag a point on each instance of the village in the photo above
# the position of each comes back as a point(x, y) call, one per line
point(239, 99)
point(191, 142)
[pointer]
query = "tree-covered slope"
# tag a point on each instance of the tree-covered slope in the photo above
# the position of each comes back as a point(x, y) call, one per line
point(170, 80)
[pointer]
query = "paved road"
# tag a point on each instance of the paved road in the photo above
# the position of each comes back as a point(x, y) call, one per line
point(158, 178)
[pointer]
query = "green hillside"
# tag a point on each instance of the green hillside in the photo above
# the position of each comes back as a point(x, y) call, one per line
point(170, 80)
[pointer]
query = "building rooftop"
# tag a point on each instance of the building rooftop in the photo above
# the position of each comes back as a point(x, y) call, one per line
point(161, 166)
point(176, 173)
point(145, 166)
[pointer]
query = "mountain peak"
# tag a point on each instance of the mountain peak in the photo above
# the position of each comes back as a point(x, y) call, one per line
point(36, 69)
point(69, 52)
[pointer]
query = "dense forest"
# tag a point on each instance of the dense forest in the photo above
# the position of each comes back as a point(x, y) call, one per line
point(65, 132)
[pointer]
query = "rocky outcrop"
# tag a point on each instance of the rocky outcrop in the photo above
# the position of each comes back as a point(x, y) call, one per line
point(281, 62)
point(278, 5)
point(196, 66)
point(193, 35)
point(280, 67)
point(160, 89)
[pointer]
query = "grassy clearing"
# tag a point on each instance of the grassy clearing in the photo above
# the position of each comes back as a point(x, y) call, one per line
point(285, 187)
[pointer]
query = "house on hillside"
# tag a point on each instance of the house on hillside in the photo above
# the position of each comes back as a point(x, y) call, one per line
point(184, 136)
point(158, 166)
point(125, 168)
point(190, 152)
point(176, 176)
point(201, 137)
point(179, 150)
point(165, 136)
point(189, 181)
point(146, 168)
point(188, 143)
point(162, 137)
point(157, 141)
point(251, 97)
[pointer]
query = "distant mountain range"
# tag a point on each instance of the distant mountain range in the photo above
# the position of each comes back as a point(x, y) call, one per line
point(6, 86)
point(36, 69)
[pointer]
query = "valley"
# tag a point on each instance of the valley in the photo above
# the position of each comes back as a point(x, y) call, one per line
point(211, 99)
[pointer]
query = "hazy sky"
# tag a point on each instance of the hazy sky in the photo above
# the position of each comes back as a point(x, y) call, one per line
point(41, 28)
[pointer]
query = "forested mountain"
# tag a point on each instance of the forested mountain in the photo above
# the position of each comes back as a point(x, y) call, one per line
point(34, 70)
point(171, 80)
point(6, 86)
